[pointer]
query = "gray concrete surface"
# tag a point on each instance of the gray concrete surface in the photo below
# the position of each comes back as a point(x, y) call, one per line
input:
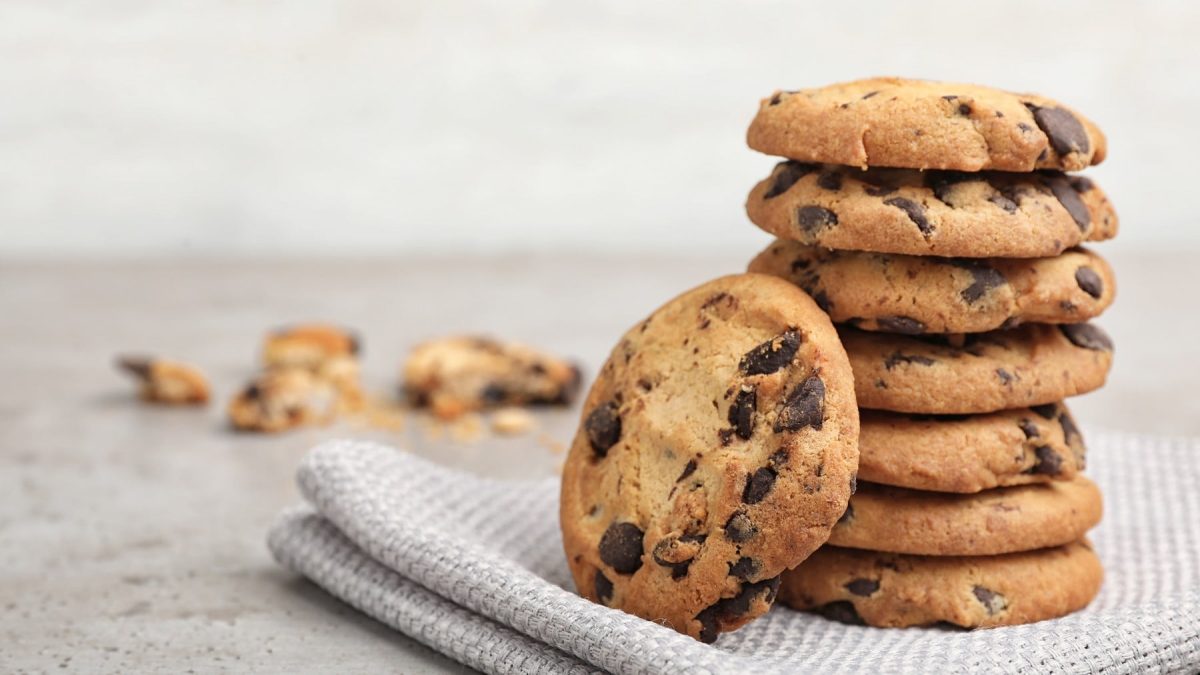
point(131, 537)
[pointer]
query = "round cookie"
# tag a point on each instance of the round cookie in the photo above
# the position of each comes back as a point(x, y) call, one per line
point(931, 213)
point(1029, 365)
point(1003, 520)
point(716, 449)
point(893, 590)
point(914, 295)
point(919, 124)
point(969, 453)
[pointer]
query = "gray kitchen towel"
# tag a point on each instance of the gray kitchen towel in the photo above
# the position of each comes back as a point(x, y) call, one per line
point(473, 567)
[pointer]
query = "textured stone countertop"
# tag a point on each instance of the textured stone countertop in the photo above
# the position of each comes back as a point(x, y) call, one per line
point(132, 537)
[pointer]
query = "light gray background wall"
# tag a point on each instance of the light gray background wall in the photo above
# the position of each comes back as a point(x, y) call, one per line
point(384, 126)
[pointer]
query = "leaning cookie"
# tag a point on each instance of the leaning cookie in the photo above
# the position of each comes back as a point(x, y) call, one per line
point(932, 213)
point(991, 522)
point(1030, 365)
point(969, 453)
point(716, 449)
point(894, 590)
point(920, 124)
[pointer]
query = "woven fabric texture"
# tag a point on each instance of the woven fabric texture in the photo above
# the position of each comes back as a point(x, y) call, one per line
point(474, 568)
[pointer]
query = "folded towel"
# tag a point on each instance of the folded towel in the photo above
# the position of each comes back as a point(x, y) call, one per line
point(474, 568)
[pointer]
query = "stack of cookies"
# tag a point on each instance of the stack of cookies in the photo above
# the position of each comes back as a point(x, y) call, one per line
point(936, 225)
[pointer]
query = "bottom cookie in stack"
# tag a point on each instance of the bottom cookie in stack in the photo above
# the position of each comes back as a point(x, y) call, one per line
point(992, 535)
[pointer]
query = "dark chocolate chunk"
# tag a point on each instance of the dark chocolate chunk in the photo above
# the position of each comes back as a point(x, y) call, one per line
point(1006, 377)
point(137, 366)
point(1070, 431)
point(1028, 428)
point(1065, 131)
point(739, 529)
point(493, 393)
point(1087, 336)
point(1089, 281)
point(879, 190)
point(728, 610)
point(688, 470)
point(863, 587)
point(759, 485)
point(941, 182)
point(1004, 202)
point(823, 301)
point(779, 458)
point(1045, 411)
point(848, 514)
point(868, 95)
point(677, 553)
point(741, 413)
point(897, 358)
point(830, 180)
point(900, 324)
point(603, 428)
point(804, 407)
point(914, 211)
point(786, 177)
point(964, 109)
point(772, 355)
point(1048, 463)
point(813, 219)
point(1081, 183)
point(621, 547)
point(991, 600)
point(841, 611)
point(1070, 199)
point(745, 568)
point(983, 280)
point(604, 587)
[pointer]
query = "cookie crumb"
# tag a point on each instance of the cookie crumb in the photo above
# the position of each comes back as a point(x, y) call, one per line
point(512, 422)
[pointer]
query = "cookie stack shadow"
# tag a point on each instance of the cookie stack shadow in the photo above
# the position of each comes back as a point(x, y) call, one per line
point(939, 228)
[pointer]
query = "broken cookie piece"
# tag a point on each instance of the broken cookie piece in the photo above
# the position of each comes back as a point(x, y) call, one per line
point(329, 352)
point(165, 381)
point(281, 399)
point(455, 375)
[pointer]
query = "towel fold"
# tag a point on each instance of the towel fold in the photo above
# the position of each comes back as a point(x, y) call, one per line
point(474, 568)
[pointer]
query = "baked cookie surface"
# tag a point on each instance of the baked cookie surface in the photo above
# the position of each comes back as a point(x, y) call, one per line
point(330, 353)
point(279, 399)
point(969, 453)
point(1003, 520)
point(935, 213)
point(1025, 366)
point(716, 449)
point(895, 590)
point(914, 295)
point(921, 124)
point(459, 374)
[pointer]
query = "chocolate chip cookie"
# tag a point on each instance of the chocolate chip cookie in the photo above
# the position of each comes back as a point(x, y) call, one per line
point(279, 399)
point(969, 453)
point(716, 449)
point(919, 124)
point(1030, 365)
point(166, 381)
point(914, 295)
point(938, 213)
point(894, 590)
point(459, 374)
point(1003, 520)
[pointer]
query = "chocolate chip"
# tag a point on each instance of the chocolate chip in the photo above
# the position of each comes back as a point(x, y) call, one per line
point(868, 95)
point(1049, 463)
point(841, 611)
point(813, 219)
point(603, 428)
point(725, 436)
point(942, 182)
point(1070, 199)
point(897, 358)
point(688, 470)
point(745, 568)
point(137, 366)
point(1081, 183)
point(1006, 377)
point(786, 176)
point(621, 547)
point(772, 355)
point(853, 483)
point(823, 301)
point(493, 393)
point(1028, 428)
point(779, 459)
point(1065, 131)
point(830, 180)
point(900, 324)
point(604, 587)
point(677, 553)
point(1089, 281)
point(1004, 202)
point(804, 407)
point(914, 211)
point(727, 610)
point(863, 587)
point(964, 109)
point(741, 413)
point(879, 190)
point(252, 392)
point(847, 515)
point(983, 280)
point(739, 529)
point(992, 601)
point(1087, 336)
point(758, 485)
point(1070, 431)
point(1046, 411)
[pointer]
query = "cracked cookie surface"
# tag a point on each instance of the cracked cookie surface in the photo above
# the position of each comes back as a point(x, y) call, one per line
point(716, 449)
point(896, 590)
point(914, 295)
point(959, 373)
point(969, 453)
point(931, 213)
point(1003, 520)
point(921, 124)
